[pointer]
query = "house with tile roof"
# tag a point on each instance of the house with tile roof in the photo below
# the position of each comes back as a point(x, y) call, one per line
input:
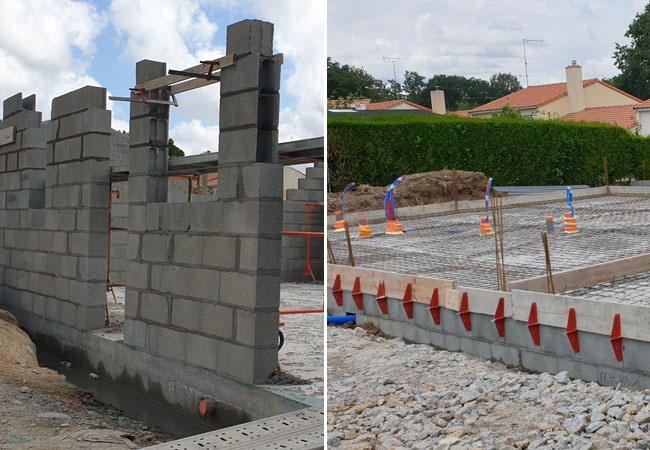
point(642, 112)
point(364, 104)
point(576, 100)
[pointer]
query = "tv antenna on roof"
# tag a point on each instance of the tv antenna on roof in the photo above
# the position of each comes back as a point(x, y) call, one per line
point(394, 60)
point(525, 59)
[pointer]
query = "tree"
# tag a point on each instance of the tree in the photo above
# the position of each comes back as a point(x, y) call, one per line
point(507, 112)
point(414, 85)
point(502, 84)
point(174, 151)
point(349, 81)
point(633, 60)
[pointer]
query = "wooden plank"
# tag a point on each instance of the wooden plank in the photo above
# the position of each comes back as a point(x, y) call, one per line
point(139, 100)
point(192, 84)
point(594, 316)
point(587, 276)
point(484, 301)
point(167, 80)
point(395, 283)
point(7, 135)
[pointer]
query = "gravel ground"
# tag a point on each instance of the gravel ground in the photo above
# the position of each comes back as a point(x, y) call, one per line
point(385, 394)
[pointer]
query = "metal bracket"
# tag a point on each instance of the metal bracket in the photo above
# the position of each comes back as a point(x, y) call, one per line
point(357, 295)
point(407, 301)
point(572, 331)
point(434, 307)
point(500, 318)
point(337, 292)
point(464, 312)
point(382, 300)
point(616, 338)
point(533, 324)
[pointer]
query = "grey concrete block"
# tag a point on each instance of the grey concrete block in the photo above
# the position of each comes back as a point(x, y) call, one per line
point(154, 308)
point(315, 172)
point(207, 318)
point(34, 138)
point(264, 180)
point(314, 185)
point(250, 291)
point(230, 182)
point(396, 311)
point(250, 36)
point(92, 219)
point(138, 275)
point(452, 342)
point(147, 69)
point(391, 328)
point(238, 110)
point(188, 249)
point(244, 76)
point(476, 347)
point(252, 217)
point(132, 246)
point(12, 105)
point(96, 146)
point(137, 217)
point(371, 307)
point(506, 354)
point(204, 284)
point(131, 303)
point(259, 254)
point(90, 317)
point(411, 332)
point(135, 333)
point(87, 97)
point(33, 158)
point(88, 121)
point(221, 251)
point(539, 362)
point(176, 216)
point(96, 196)
point(256, 329)
point(155, 247)
point(67, 149)
point(166, 342)
point(250, 365)
point(206, 217)
point(238, 146)
point(484, 328)
point(88, 244)
point(555, 341)
point(201, 351)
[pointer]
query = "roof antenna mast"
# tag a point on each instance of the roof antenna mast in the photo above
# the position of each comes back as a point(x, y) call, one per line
point(525, 59)
point(394, 60)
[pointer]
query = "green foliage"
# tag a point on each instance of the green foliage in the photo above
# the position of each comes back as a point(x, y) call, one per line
point(632, 60)
point(375, 150)
point(344, 81)
point(507, 112)
point(174, 151)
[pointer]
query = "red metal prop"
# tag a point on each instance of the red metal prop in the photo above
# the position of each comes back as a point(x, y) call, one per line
point(337, 292)
point(533, 325)
point(407, 302)
point(382, 300)
point(616, 338)
point(434, 307)
point(357, 295)
point(500, 318)
point(572, 331)
point(464, 312)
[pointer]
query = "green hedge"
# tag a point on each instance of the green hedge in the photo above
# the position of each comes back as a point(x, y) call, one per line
point(376, 150)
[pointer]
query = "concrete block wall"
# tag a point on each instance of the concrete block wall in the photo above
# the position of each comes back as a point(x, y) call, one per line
point(203, 284)
point(311, 189)
point(595, 361)
point(54, 242)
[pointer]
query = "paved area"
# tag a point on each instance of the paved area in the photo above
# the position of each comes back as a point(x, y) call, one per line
point(450, 247)
point(302, 353)
point(385, 394)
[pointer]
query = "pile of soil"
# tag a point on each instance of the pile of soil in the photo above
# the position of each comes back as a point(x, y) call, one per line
point(417, 189)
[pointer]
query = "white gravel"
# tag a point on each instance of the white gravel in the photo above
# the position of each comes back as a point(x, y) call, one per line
point(385, 394)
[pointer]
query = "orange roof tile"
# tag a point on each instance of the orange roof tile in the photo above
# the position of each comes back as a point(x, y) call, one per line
point(622, 115)
point(460, 113)
point(536, 96)
point(645, 104)
point(384, 106)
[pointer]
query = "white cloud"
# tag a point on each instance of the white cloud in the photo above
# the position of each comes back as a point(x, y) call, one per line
point(479, 38)
point(194, 138)
point(38, 44)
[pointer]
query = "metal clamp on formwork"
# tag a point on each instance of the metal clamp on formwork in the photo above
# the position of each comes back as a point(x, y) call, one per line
point(434, 307)
point(572, 331)
point(500, 318)
point(533, 324)
point(407, 301)
point(144, 99)
point(357, 295)
point(616, 338)
point(337, 292)
point(464, 313)
point(382, 300)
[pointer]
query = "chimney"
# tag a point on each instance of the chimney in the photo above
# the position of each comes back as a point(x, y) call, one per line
point(574, 87)
point(438, 102)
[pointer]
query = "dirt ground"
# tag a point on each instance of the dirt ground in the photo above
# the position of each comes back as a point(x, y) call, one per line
point(40, 410)
point(416, 189)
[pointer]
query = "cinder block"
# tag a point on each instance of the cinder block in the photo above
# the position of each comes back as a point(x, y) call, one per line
point(313, 185)
point(392, 328)
point(239, 110)
point(88, 293)
point(147, 69)
point(166, 342)
point(93, 269)
point(90, 317)
point(204, 284)
point(137, 217)
point(67, 149)
point(138, 275)
point(243, 76)
point(201, 351)
point(397, 312)
point(476, 347)
point(135, 333)
point(250, 291)
point(263, 180)
point(155, 247)
point(452, 343)
point(250, 36)
point(132, 246)
point(34, 138)
point(153, 216)
point(96, 196)
point(97, 146)
point(87, 97)
point(204, 317)
point(539, 362)
point(12, 105)
point(88, 244)
point(92, 219)
point(206, 216)
point(316, 172)
point(176, 216)
point(252, 217)
point(88, 121)
point(506, 354)
point(154, 307)
point(188, 249)
point(172, 279)
point(238, 145)
point(259, 254)
point(230, 182)
point(257, 329)
point(250, 365)
point(131, 303)
point(220, 251)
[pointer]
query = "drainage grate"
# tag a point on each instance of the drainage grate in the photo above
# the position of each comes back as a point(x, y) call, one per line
point(303, 429)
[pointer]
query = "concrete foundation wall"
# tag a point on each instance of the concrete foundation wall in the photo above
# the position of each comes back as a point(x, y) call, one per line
point(295, 218)
point(595, 361)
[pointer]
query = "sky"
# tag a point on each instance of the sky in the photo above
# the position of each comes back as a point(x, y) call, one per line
point(480, 37)
point(49, 48)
